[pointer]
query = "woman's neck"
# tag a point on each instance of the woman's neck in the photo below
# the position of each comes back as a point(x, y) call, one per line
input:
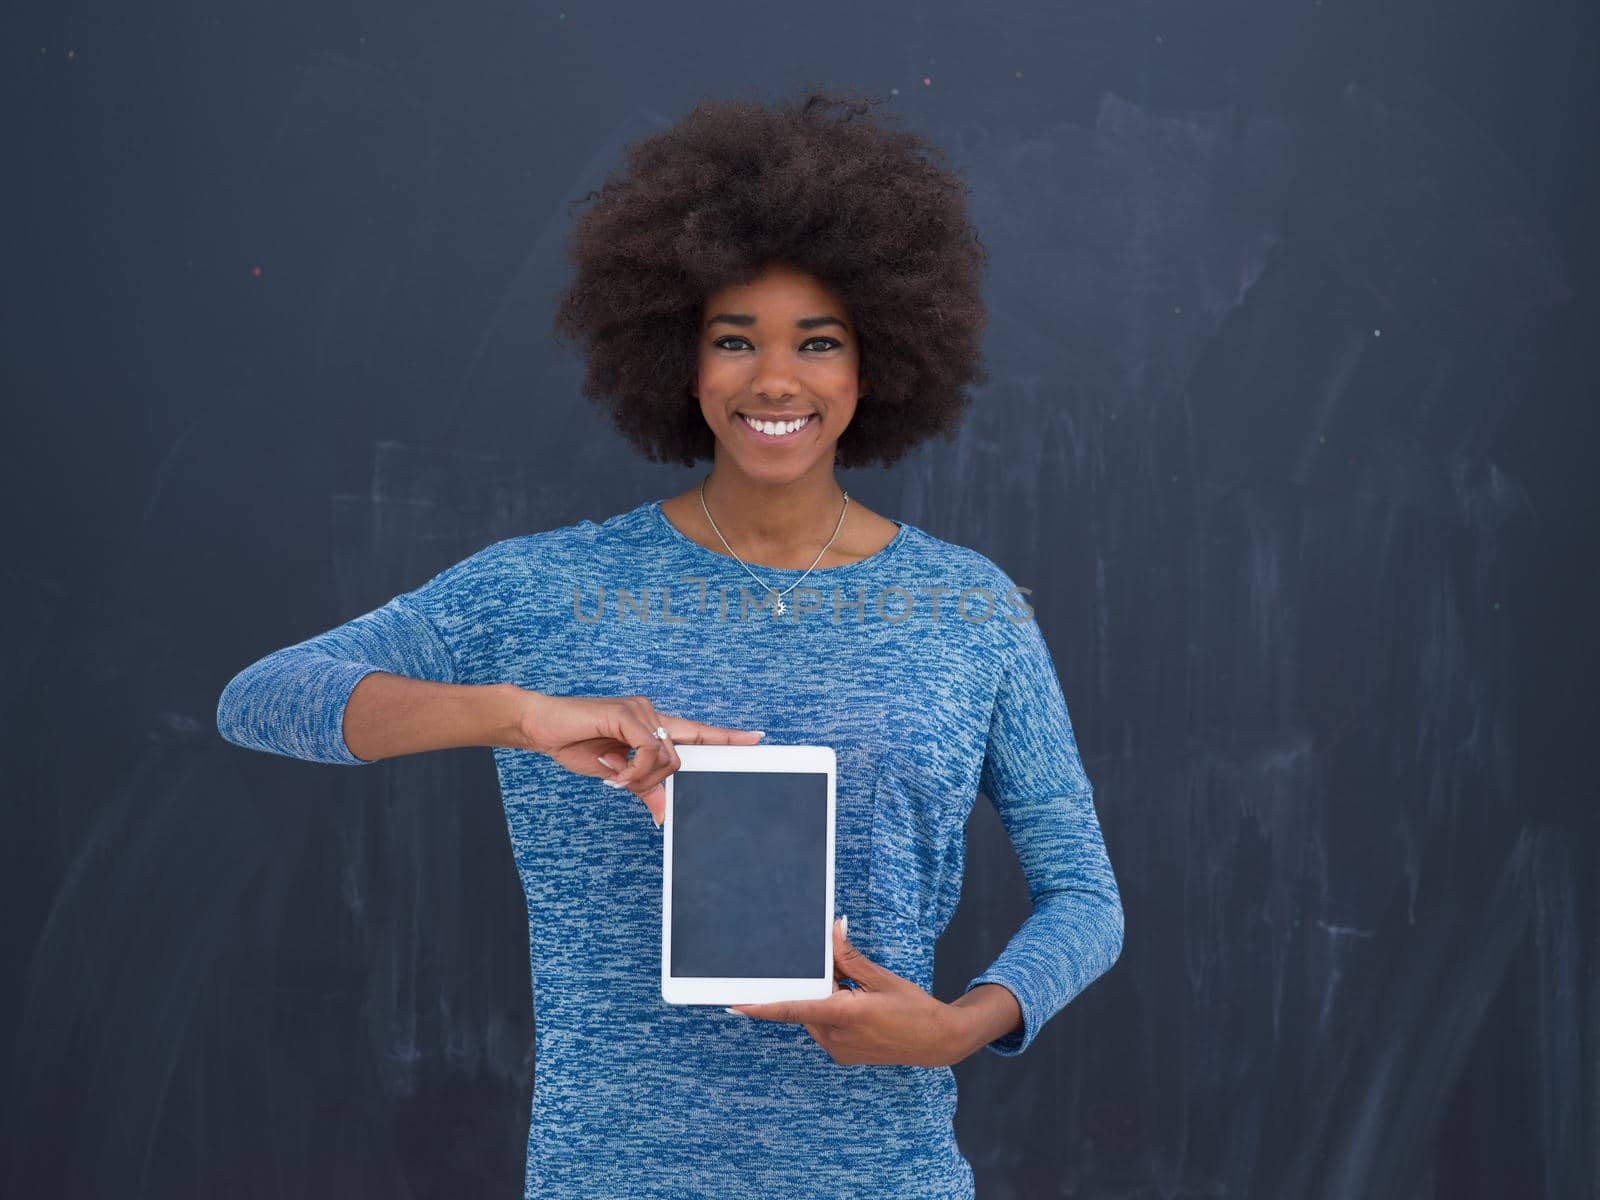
point(774, 519)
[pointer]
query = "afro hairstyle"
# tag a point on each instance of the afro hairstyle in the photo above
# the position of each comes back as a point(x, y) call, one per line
point(735, 185)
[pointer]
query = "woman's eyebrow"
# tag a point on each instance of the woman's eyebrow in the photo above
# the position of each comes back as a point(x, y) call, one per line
point(800, 323)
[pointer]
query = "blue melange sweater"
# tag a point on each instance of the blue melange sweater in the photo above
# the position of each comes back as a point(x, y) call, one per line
point(922, 668)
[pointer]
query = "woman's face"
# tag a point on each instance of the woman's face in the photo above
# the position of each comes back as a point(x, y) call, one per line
point(781, 347)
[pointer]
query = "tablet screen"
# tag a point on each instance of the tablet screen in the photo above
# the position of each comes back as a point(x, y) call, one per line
point(749, 874)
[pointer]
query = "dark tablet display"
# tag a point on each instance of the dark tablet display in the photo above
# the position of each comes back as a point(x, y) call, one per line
point(749, 874)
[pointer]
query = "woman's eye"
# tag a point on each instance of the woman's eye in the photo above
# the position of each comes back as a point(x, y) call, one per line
point(722, 342)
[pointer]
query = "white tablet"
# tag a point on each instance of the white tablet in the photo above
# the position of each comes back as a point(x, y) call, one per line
point(747, 875)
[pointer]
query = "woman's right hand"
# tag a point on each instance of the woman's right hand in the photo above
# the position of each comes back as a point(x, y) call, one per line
point(583, 732)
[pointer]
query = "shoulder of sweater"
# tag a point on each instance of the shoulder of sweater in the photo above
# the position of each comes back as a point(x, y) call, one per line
point(951, 557)
point(1010, 625)
point(543, 555)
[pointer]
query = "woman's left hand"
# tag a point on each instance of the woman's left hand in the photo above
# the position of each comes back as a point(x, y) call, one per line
point(886, 1019)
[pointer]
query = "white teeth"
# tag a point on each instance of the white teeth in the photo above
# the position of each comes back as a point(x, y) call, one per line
point(777, 428)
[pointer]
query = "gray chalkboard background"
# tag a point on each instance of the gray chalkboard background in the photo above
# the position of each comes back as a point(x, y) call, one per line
point(1290, 428)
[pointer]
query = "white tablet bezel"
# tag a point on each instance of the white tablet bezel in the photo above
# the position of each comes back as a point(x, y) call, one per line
point(723, 990)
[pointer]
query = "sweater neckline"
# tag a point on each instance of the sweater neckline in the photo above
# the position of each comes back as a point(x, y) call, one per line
point(705, 552)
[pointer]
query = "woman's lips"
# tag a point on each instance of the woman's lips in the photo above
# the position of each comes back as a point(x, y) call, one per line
point(777, 439)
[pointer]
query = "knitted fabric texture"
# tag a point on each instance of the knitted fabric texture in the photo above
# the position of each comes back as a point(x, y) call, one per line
point(921, 665)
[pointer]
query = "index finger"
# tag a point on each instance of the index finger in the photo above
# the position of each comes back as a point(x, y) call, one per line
point(697, 733)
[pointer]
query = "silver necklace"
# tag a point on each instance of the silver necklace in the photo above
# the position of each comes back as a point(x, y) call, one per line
point(780, 607)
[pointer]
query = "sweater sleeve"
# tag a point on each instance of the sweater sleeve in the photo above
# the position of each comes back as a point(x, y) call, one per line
point(292, 701)
point(1034, 776)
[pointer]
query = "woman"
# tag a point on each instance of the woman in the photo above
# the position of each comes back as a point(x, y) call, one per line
point(780, 290)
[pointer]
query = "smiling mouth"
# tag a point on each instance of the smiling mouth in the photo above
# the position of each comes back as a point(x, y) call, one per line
point(778, 431)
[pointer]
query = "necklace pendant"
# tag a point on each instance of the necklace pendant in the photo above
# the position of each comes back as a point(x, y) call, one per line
point(780, 608)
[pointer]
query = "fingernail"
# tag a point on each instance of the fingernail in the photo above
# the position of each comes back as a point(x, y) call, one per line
point(656, 819)
point(736, 1012)
point(761, 733)
point(608, 762)
point(844, 926)
point(611, 783)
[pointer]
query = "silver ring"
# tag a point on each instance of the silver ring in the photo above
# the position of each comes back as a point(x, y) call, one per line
point(661, 732)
